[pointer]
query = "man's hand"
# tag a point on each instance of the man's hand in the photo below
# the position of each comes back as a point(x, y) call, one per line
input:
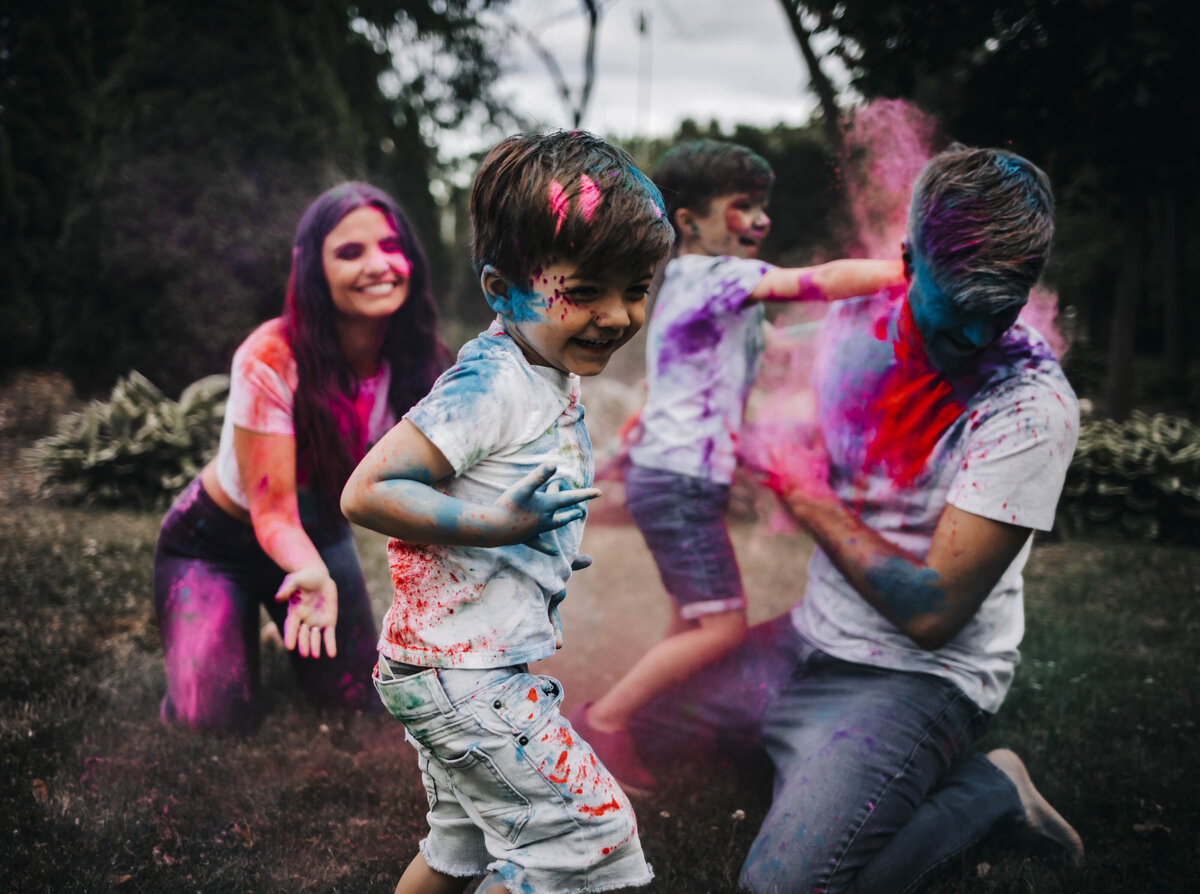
point(536, 505)
point(311, 596)
point(799, 474)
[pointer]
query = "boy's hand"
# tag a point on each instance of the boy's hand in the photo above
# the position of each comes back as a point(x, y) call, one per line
point(311, 596)
point(536, 505)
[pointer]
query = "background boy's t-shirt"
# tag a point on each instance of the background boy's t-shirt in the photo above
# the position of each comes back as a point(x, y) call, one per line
point(495, 418)
point(704, 344)
point(902, 443)
point(262, 394)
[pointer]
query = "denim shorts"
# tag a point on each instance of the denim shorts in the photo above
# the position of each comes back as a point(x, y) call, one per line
point(512, 789)
point(682, 518)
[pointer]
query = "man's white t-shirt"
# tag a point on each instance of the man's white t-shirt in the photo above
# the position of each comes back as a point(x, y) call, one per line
point(903, 442)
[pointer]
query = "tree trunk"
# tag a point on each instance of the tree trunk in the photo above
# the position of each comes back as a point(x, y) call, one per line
point(1123, 324)
point(820, 83)
point(1174, 357)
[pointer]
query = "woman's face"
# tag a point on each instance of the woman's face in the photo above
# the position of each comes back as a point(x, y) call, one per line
point(365, 267)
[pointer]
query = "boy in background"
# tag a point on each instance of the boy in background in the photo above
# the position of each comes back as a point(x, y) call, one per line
point(482, 487)
point(706, 339)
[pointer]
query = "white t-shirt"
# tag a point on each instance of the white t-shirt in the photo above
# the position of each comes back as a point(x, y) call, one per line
point(495, 418)
point(262, 393)
point(902, 443)
point(704, 344)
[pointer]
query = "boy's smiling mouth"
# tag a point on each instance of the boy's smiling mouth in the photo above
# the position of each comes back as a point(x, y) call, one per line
point(596, 344)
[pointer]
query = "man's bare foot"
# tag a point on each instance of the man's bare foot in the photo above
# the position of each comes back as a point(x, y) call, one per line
point(1040, 817)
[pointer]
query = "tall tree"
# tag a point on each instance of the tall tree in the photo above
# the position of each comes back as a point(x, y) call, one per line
point(1091, 89)
point(826, 95)
point(155, 156)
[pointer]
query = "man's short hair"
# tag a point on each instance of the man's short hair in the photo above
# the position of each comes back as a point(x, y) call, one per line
point(694, 173)
point(984, 221)
point(566, 195)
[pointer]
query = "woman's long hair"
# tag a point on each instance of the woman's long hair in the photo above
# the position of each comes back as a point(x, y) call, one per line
point(330, 440)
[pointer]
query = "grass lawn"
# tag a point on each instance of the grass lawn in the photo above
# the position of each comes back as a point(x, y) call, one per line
point(99, 796)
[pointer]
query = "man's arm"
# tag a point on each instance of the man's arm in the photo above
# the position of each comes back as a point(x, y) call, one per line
point(831, 281)
point(391, 492)
point(928, 601)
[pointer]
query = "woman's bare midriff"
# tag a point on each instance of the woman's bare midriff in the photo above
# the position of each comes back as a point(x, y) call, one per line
point(208, 479)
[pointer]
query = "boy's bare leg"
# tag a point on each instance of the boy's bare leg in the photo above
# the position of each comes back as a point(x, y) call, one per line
point(670, 661)
point(419, 878)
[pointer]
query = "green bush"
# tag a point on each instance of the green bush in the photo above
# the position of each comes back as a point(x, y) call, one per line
point(137, 449)
point(1140, 477)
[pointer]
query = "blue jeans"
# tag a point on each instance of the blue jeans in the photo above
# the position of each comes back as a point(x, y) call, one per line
point(682, 519)
point(210, 577)
point(873, 783)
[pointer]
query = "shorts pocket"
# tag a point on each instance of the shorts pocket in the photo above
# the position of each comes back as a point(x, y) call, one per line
point(497, 801)
point(527, 703)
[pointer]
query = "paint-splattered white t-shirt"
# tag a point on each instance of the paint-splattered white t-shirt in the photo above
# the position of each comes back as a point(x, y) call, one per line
point(904, 441)
point(704, 344)
point(495, 418)
point(262, 392)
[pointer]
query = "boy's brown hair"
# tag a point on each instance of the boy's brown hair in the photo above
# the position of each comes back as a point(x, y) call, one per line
point(694, 173)
point(566, 195)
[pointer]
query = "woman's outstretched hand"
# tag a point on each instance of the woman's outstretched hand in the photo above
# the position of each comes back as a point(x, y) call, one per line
point(311, 596)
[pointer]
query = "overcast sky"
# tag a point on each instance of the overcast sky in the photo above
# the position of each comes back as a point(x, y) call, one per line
point(732, 60)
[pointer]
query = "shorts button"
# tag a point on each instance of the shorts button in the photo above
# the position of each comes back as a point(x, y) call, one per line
point(497, 704)
point(524, 740)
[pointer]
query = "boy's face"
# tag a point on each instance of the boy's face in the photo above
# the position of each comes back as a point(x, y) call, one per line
point(563, 319)
point(735, 225)
point(951, 335)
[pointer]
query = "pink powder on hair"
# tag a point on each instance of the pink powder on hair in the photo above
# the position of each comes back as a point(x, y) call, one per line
point(558, 205)
point(589, 197)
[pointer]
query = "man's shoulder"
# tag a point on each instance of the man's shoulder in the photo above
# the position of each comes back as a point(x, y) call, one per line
point(1023, 358)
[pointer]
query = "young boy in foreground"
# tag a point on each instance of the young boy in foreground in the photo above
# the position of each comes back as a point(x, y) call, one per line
point(482, 487)
point(706, 339)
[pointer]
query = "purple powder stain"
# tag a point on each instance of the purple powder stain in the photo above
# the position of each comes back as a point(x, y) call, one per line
point(691, 334)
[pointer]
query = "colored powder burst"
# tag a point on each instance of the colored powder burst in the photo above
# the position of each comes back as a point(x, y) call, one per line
point(887, 144)
point(1041, 312)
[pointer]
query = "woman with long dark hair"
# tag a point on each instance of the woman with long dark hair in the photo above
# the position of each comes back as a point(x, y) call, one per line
point(310, 390)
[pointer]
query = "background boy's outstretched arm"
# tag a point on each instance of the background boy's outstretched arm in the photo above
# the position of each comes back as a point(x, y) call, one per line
point(391, 492)
point(831, 281)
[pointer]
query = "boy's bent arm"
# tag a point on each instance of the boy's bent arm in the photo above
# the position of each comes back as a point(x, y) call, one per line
point(831, 281)
point(392, 492)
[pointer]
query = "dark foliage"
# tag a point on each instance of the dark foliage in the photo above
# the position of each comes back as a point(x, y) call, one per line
point(155, 156)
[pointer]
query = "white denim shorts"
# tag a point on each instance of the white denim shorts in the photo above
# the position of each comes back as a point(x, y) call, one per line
point(512, 789)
